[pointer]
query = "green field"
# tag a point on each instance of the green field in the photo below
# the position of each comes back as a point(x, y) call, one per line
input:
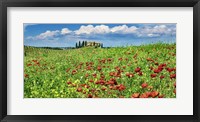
point(123, 72)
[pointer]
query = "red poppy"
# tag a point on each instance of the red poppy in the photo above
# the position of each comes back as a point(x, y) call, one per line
point(170, 69)
point(156, 71)
point(130, 75)
point(103, 89)
point(174, 91)
point(137, 69)
point(69, 82)
point(153, 75)
point(121, 87)
point(144, 85)
point(91, 81)
point(79, 89)
point(120, 59)
point(29, 65)
point(161, 77)
point(173, 76)
point(154, 94)
point(25, 75)
point(175, 84)
point(135, 95)
point(144, 95)
point(90, 96)
point(74, 72)
point(99, 68)
point(86, 75)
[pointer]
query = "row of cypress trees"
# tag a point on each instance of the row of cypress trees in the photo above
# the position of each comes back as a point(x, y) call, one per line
point(79, 44)
point(83, 44)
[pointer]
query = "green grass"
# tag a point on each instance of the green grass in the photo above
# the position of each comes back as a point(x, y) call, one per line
point(45, 74)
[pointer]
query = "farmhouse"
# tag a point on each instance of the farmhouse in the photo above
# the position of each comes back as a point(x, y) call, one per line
point(94, 44)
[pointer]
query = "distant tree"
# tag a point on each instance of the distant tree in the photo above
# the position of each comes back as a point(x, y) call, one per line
point(101, 45)
point(76, 45)
point(83, 44)
point(79, 44)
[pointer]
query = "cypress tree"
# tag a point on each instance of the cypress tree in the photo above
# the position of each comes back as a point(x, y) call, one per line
point(79, 44)
point(83, 44)
point(76, 45)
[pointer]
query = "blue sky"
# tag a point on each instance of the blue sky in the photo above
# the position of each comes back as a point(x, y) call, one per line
point(111, 35)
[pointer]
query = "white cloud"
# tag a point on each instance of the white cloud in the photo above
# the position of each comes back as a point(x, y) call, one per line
point(90, 29)
point(102, 29)
point(123, 29)
point(156, 31)
point(48, 34)
point(65, 31)
point(153, 35)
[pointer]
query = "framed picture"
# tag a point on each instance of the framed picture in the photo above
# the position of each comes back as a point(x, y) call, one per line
point(99, 60)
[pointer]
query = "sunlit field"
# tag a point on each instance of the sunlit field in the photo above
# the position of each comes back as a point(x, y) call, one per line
point(147, 71)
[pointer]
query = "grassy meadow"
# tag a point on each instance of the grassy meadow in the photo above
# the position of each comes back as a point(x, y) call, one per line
point(147, 71)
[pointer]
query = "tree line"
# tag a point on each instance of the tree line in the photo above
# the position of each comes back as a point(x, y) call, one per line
point(84, 44)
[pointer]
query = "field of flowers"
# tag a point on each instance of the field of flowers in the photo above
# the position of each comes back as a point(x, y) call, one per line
point(123, 72)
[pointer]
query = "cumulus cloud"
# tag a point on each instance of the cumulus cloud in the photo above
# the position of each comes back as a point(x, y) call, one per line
point(156, 31)
point(48, 34)
point(65, 31)
point(124, 29)
point(90, 29)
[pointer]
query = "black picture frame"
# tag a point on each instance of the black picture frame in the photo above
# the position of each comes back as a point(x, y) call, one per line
point(99, 3)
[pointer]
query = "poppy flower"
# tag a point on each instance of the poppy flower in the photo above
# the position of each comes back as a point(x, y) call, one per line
point(25, 75)
point(29, 65)
point(137, 69)
point(156, 63)
point(153, 75)
point(129, 75)
point(90, 96)
point(170, 69)
point(99, 68)
point(111, 73)
point(94, 75)
point(135, 95)
point(144, 95)
point(175, 84)
point(74, 72)
point(69, 82)
point(144, 85)
point(174, 91)
point(86, 75)
point(161, 77)
point(120, 59)
point(103, 89)
point(86, 86)
point(173, 76)
point(109, 59)
point(89, 68)
point(79, 89)
point(156, 70)
point(154, 94)
point(91, 81)
point(121, 87)
point(149, 59)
